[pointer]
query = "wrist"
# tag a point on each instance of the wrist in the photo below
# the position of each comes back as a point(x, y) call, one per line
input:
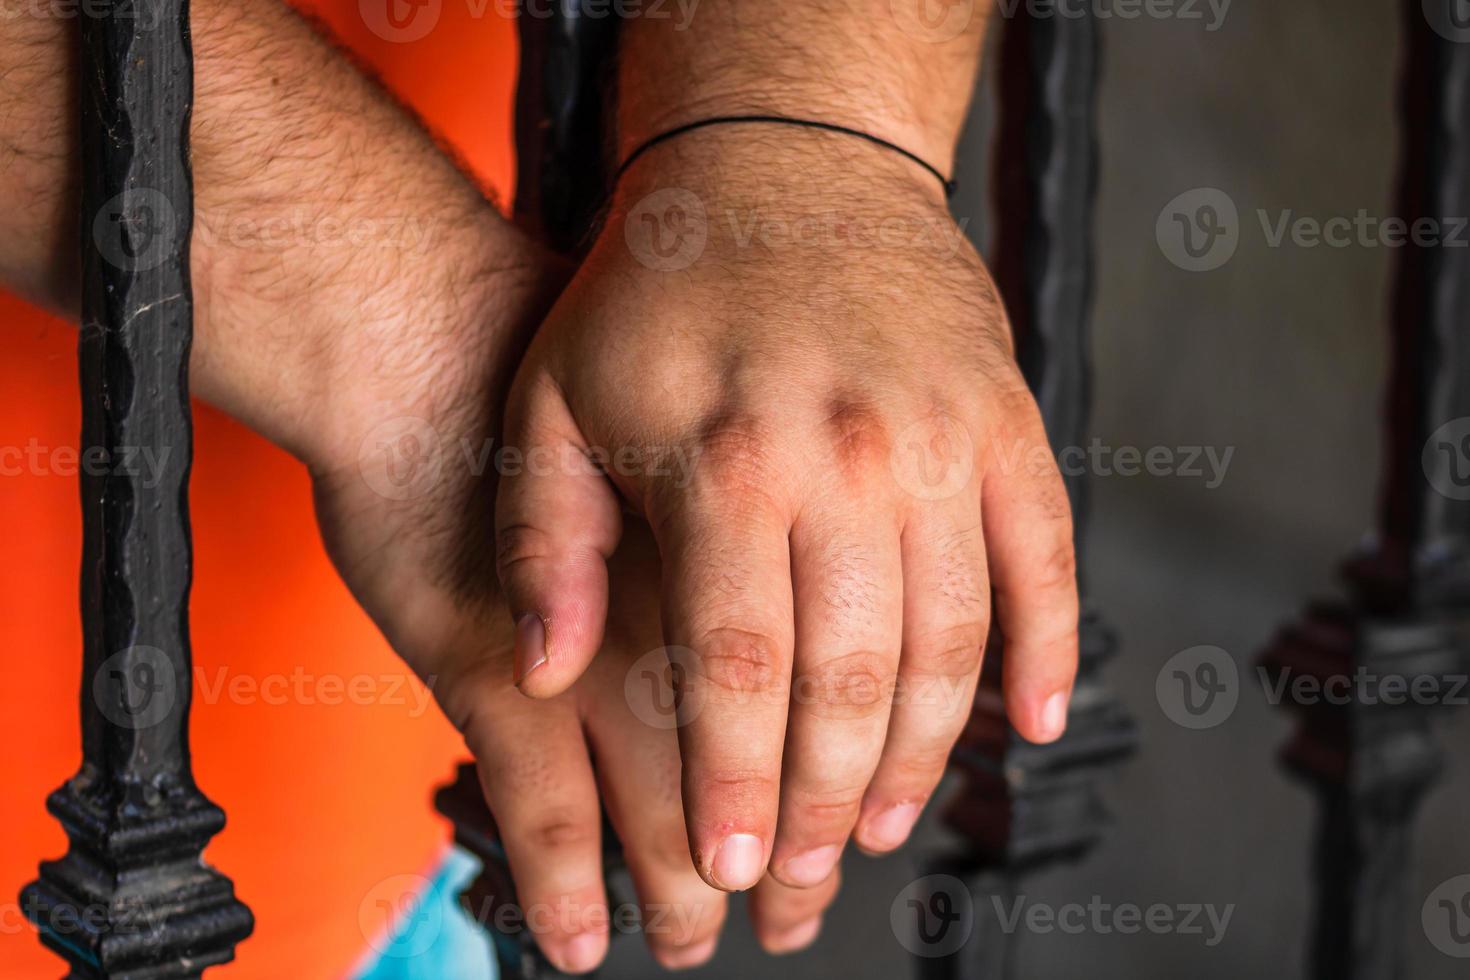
point(865, 67)
point(753, 192)
point(316, 351)
point(777, 159)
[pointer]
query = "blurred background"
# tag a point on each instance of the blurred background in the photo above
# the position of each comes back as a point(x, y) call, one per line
point(1277, 356)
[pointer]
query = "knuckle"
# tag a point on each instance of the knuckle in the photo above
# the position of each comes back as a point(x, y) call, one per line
point(1057, 508)
point(1057, 570)
point(735, 455)
point(559, 831)
point(1015, 402)
point(726, 778)
point(918, 768)
point(859, 439)
point(516, 544)
point(725, 791)
point(854, 685)
point(738, 663)
point(1015, 428)
point(823, 804)
point(952, 653)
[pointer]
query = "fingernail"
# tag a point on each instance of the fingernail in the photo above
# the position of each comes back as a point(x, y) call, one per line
point(584, 952)
point(812, 867)
point(795, 938)
point(739, 862)
point(891, 827)
point(682, 958)
point(530, 645)
point(1054, 716)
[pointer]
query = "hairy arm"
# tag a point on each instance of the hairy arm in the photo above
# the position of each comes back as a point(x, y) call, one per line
point(315, 192)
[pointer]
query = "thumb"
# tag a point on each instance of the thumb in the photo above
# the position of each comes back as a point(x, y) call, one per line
point(556, 524)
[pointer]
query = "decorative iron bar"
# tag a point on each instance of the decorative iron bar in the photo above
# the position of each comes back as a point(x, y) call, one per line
point(1407, 614)
point(132, 899)
point(1022, 807)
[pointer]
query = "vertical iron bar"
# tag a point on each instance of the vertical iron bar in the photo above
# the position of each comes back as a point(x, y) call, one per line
point(1021, 806)
point(132, 898)
point(1408, 610)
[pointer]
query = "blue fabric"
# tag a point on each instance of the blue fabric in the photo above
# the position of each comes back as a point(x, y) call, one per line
point(439, 941)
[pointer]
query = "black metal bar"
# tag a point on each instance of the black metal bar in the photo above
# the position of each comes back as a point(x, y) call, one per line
point(1426, 526)
point(1021, 806)
point(132, 898)
point(561, 95)
point(1408, 612)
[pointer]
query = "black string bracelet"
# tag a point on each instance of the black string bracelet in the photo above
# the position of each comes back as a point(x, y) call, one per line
point(949, 185)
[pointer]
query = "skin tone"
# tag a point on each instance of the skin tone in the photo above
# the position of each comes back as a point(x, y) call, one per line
point(828, 557)
point(325, 347)
point(795, 312)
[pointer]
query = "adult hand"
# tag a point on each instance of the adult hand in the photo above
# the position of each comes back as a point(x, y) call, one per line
point(784, 356)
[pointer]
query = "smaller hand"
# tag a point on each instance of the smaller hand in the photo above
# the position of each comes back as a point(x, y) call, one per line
point(548, 768)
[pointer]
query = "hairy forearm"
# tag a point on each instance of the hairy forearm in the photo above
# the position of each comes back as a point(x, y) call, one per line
point(895, 68)
point(336, 252)
point(38, 158)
